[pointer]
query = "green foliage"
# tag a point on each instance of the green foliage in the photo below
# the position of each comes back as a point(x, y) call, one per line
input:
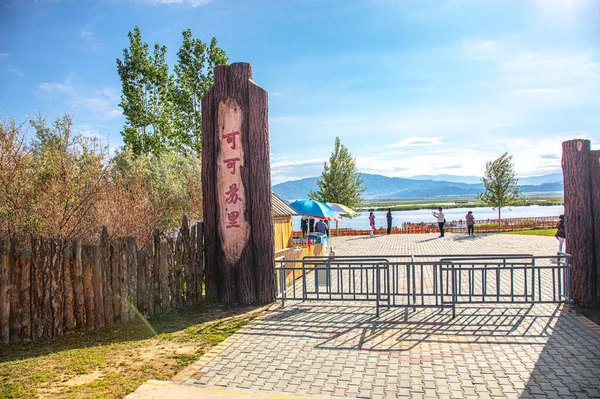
point(162, 110)
point(340, 182)
point(501, 185)
point(51, 187)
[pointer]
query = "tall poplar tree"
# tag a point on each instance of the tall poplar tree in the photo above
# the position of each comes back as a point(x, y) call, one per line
point(340, 182)
point(162, 110)
point(194, 75)
point(501, 185)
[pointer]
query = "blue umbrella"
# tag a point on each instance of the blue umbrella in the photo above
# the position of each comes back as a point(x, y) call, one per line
point(315, 209)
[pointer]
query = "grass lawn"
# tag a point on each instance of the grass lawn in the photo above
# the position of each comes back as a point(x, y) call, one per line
point(115, 360)
point(536, 232)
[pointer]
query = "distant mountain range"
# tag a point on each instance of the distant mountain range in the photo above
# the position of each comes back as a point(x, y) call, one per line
point(380, 187)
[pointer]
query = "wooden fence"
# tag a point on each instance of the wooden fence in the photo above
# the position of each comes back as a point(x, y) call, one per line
point(49, 287)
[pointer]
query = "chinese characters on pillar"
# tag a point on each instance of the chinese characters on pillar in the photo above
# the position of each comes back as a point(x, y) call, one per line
point(230, 188)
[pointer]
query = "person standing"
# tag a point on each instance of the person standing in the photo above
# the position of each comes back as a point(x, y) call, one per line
point(560, 232)
point(470, 224)
point(304, 226)
point(441, 220)
point(389, 218)
point(371, 224)
point(321, 227)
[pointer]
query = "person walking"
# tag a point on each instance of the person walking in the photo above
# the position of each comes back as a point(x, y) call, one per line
point(441, 220)
point(371, 224)
point(389, 218)
point(470, 224)
point(560, 233)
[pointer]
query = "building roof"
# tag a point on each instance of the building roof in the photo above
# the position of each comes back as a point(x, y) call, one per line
point(281, 207)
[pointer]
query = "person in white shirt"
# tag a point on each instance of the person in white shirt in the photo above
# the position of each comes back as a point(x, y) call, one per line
point(441, 220)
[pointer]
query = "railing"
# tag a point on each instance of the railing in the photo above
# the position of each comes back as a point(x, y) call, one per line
point(427, 281)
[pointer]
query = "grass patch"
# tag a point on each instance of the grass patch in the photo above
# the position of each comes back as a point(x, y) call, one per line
point(115, 360)
point(534, 232)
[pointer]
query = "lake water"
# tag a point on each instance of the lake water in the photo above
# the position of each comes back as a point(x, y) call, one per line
point(424, 215)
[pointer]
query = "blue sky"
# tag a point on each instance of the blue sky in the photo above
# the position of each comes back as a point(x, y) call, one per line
point(410, 87)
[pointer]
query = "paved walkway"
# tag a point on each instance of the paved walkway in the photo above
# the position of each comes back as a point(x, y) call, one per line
point(343, 350)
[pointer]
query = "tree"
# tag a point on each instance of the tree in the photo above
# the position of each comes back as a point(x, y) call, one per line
point(163, 109)
point(194, 75)
point(501, 185)
point(340, 182)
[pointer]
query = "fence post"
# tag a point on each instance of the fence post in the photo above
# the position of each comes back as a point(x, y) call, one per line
point(37, 295)
point(164, 276)
point(107, 290)
point(15, 283)
point(25, 292)
point(68, 323)
point(115, 273)
point(87, 259)
point(4, 289)
point(78, 291)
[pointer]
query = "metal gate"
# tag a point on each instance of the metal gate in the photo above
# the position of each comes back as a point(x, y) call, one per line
point(426, 281)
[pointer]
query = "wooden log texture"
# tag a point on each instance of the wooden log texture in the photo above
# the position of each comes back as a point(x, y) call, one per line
point(124, 280)
point(4, 289)
point(57, 292)
point(249, 277)
point(163, 276)
point(98, 290)
point(25, 293)
point(87, 258)
point(192, 266)
point(579, 226)
point(78, 290)
point(15, 294)
point(595, 178)
point(69, 303)
point(142, 286)
point(155, 287)
point(115, 273)
point(259, 191)
point(187, 258)
point(199, 259)
point(47, 322)
point(171, 266)
point(107, 291)
point(132, 272)
point(37, 287)
point(178, 271)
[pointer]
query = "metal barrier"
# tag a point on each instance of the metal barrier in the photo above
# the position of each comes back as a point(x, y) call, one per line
point(427, 281)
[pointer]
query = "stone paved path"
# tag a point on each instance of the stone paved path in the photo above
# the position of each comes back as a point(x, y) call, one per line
point(343, 350)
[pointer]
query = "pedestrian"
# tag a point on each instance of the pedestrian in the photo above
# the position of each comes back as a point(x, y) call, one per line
point(470, 224)
point(311, 225)
point(441, 220)
point(560, 233)
point(389, 220)
point(371, 224)
point(304, 226)
point(321, 227)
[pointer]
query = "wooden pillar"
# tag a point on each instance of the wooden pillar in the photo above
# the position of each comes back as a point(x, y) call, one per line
point(595, 183)
point(115, 272)
point(37, 292)
point(132, 275)
point(107, 291)
point(56, 289)
point(25, 292)
point(15, 293)
point(78, 291)
point(4, 289)
point(87, 258)
point(164, 276)
point(579, 225)
point(69, 303)
point(236, 185)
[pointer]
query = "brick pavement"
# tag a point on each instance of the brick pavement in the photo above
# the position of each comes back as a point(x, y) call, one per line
point(343, 350)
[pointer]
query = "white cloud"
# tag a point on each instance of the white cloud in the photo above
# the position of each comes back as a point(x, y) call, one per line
point(17, 72)
point(418, 142)
point(100, 102)
point(4, 55)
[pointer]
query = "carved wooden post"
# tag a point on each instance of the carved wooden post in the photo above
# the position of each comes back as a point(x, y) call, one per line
point(595, 178)
point(25, 292)
point(236, 185)
point(37, 292)
point(15, 293)
point(78, 292)
point(579, 226)
point(4, 289)
point(68, 322)
point(105, 266)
